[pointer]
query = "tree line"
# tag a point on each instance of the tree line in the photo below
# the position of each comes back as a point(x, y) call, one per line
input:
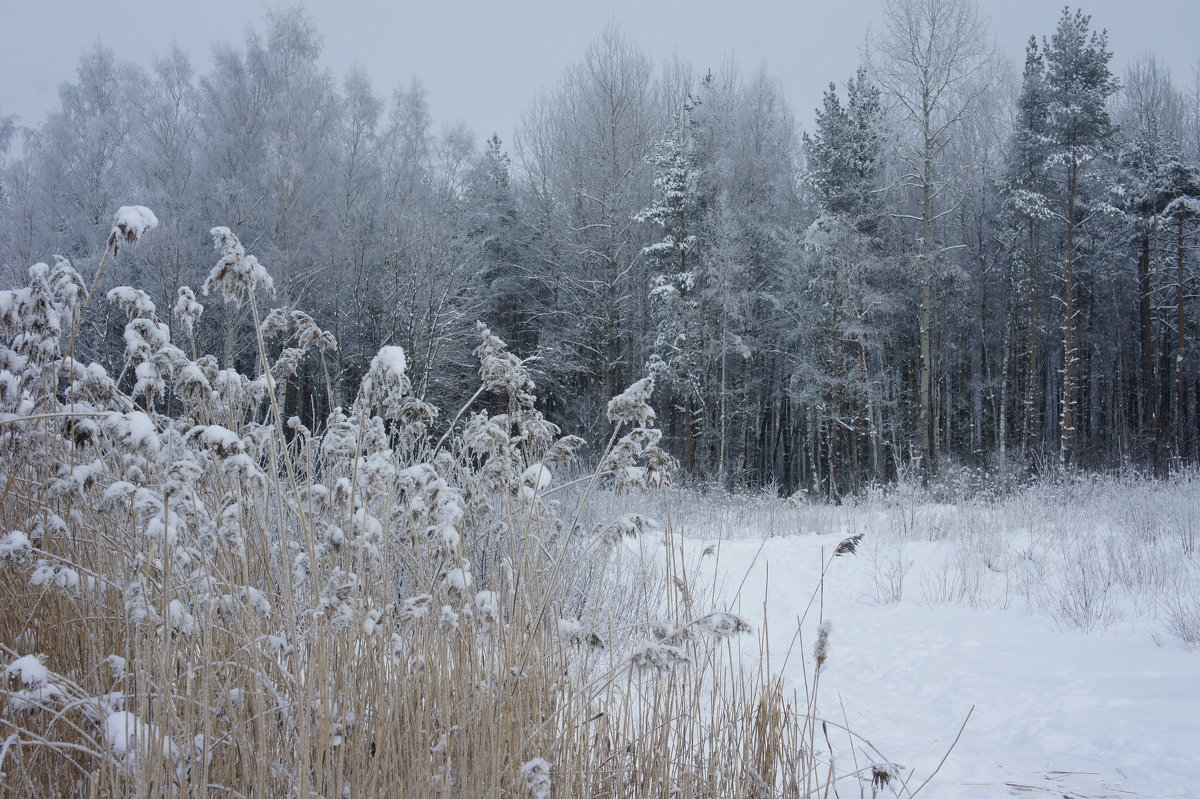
point(957, 266)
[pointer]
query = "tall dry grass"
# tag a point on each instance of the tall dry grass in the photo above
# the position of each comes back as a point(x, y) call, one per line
point(201, 598)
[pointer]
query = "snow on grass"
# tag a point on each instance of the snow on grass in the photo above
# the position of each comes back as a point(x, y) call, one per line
point(131, 738)
point(30, 670)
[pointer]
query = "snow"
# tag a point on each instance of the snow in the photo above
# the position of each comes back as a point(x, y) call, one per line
point(536, 477)
point(390, 359)
point(536, 774)
point(136, 302)
point(217, 438)
point(130, 737)
point(131, 222)
point(135, 429)
point(569, 630)
point(15, 546)
point(40, 697)
point(1055, 713)
point(61, 577)
point(30, 669)
point(534, 480)
point(458, 579)
point(119, 666)
point(487, 604)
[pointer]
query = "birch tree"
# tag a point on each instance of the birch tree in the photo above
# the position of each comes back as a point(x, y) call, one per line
point(929, 59)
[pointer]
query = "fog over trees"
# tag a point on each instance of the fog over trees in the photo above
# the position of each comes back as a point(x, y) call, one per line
point(961, 265)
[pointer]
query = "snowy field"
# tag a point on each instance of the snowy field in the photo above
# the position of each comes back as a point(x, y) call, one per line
point(1074, 683)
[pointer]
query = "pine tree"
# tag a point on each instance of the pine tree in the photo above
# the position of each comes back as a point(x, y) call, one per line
point(1078, 83)
point(1181, 194)
point(844, 155)
point(1027, 210)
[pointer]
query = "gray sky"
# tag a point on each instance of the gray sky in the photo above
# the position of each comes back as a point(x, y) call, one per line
point(483, 61)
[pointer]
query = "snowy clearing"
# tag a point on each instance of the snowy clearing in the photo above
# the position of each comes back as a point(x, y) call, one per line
point(1055, 713)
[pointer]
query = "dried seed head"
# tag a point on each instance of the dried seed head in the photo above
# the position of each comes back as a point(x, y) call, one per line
point(659, 656)
point(130, 223)
point(187, 310)
point(632, 406)
point(236, 273)
point(821, 650)
point(723, 625)
point(798, 499)
point(849, 546)
point(882, 774)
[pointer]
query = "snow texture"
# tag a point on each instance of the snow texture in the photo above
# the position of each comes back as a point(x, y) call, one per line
point(536, 774)
point(1055, 713)
point(30, 669)
point(131, 738)
point(391, 359)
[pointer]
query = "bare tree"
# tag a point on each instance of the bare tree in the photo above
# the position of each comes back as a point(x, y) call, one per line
point(929, 60)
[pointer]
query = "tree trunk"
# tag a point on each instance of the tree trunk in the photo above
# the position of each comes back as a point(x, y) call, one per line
point(689, 436)
point(926, 380)
point(1067, 415)
point(1181, 346)
point(1149, 396)
point(1030, 433)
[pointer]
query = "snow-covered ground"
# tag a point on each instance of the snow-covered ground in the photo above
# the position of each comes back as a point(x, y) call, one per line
point(1056, 713)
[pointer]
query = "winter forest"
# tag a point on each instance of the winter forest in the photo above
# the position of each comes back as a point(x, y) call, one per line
point(963, 264)
point(672, 448)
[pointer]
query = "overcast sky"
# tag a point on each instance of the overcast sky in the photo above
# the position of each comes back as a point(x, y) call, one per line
point(483, 61)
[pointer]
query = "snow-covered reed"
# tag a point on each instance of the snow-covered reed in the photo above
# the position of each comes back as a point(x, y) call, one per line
point(218, 601)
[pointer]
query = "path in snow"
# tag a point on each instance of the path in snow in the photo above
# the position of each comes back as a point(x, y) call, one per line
point(1056, 714)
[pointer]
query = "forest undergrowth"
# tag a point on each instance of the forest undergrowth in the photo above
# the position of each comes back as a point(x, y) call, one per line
point(202, 597)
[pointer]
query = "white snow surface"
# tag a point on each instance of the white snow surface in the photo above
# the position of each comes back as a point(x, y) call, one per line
point(1056, 713)
point(30, 669)
point(390, 359)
